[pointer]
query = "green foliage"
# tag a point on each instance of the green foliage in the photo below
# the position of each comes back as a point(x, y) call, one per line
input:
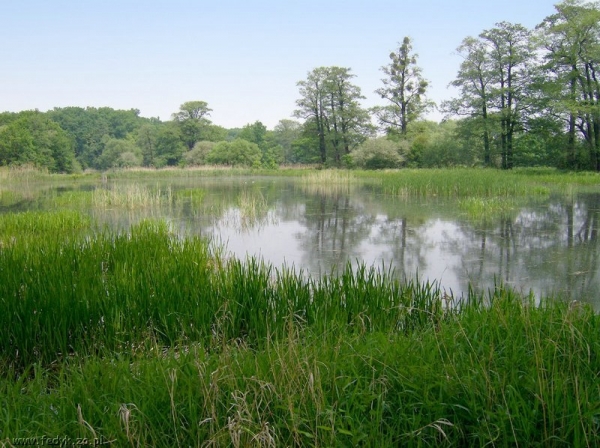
point(169, 146)
point(87, 127)
point(192, 111)
point(285, 133)
point(404, 88)
point(36, 140)
point(271, 152)
point(197, 156)
point(119, 153)
point(192, 122)
point(146, 339)
point(239, 152)
point(254, 133)
point(330, 106)
point(380, 153)
point(438, 145)
point(213, 133)
point(569, 85)
point(146, 140)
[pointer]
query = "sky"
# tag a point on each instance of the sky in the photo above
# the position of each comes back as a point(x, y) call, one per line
point(242, 57)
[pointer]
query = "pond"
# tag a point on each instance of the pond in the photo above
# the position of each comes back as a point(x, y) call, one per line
point(547, 245)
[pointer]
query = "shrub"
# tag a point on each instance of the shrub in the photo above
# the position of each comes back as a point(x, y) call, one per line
point(197, 155)
point(236, 153)
point(379, 153)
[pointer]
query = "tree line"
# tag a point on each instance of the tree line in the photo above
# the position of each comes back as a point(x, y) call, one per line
point(525, 97)
point(72, 139)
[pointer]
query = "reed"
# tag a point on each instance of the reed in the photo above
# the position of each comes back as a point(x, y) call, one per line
point(330, 177)
point(508, 373)
point(458, 183)
point(131, 196)
point(143, 338)
point(487, 208)
point(10, 198)
point(191, 196)
point(329, 182)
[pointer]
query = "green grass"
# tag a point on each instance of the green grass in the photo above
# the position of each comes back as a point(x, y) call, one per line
point(487, 208)
point(193, 196)
point(456, 183)
point(146, 339)
point(131, 196)
point(450, 182)
point(465, 182)
point(9, 198)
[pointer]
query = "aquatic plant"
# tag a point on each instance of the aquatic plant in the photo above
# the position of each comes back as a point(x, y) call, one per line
point(131, 196)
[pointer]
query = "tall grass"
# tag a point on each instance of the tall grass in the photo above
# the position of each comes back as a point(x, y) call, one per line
point(329, 182)
point(67, 296)
point(459, 183)
point(145, 339)
point(483, 208)
point(131, 196)
point(505, 374)
point(329, 177)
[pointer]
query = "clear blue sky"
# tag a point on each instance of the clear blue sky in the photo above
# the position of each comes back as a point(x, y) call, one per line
point(243, 57)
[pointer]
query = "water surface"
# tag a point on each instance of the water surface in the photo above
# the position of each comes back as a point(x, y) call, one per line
point(548, 246)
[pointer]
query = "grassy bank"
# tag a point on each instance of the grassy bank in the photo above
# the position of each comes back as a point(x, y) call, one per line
point(145, 339)
point(451, 182)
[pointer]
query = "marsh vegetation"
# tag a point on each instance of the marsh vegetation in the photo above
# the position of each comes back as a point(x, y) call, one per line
point(144, 332)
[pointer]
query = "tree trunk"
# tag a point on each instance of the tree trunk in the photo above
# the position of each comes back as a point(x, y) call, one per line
point(571, 160)
point(487, 158)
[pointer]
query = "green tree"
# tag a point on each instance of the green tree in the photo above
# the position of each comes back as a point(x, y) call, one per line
point(380, 153)
point(88, 126)
point(511, 56)
point(571, 41)
point(35, 139)
point(197, 156)
point(404, 88)
point(285, 133)
point(192, 121)
point(146, 141)
point(441, 145)
point(16, 144)
point(311, 105)
point(255, 133)
point(239, 152)
point(119, 153)
point(272, 152)
point(348, 123)
point(474, 81)
point(330, 105)
point(495, 81)
point(169, 147)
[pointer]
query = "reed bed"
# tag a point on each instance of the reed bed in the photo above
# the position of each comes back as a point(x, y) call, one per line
point(10, 198)
point(487, 208)
point(330, 182)
point(131, 196)
point(253, 210)
point(192, 196)
point(330, 177)
point(187, 172)
point(145, 339)
point(456, 183)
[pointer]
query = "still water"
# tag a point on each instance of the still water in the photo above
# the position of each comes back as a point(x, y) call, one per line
point(548, 246)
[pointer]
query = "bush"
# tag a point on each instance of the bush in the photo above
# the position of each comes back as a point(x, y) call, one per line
point(379, 153)
point(197, 155)
point(236, 153)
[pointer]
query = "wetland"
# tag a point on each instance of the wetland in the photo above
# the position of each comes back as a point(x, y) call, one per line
point(300, 308)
